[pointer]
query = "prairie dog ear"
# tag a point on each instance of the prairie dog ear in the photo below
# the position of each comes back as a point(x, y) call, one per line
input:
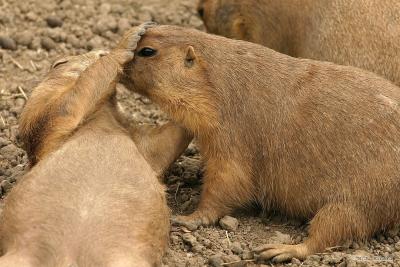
point(190, 56)
point(239, 29)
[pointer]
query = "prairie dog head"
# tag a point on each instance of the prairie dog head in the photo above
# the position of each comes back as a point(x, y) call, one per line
point(226, 17)
point(62, 76)
point(64, 72)
point(170, 70)
point(73, 66)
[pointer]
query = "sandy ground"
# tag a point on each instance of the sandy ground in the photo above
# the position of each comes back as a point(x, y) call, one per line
point(34, 33)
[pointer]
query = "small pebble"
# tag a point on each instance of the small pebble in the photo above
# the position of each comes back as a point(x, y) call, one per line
point(229, 223)
point(233, 260)
point(105, 8)
point(247, 255)
point(236, 248)
point(123, 25)
point(24, 38)
point(189, 239)
point(216, 260)
point(6, 185)
point(95, 42)
point(296, 261)
point(7, 43)
point(47, 43)
point(197, 248)
point(53, 22)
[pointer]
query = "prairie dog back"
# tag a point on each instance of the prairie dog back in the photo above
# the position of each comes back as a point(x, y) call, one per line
point(363, 34)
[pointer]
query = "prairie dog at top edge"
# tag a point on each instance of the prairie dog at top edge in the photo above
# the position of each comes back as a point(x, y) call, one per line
point(363, 34)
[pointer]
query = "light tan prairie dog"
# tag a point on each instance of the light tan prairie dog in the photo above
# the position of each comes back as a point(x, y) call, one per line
point(91, 199)
point(363, 33)
point(311, 139)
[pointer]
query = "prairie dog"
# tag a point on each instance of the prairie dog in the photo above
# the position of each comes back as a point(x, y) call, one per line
point(363, 34)
point(312, 139)
point(91, 199)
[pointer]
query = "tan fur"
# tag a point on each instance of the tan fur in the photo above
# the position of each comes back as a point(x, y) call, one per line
point(91, 198)
point(311, 139)
point(363, 34)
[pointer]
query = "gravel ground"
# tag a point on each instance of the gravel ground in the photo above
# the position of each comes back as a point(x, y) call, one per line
point(34, 33)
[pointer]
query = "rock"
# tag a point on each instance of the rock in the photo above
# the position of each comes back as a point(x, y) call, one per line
point(333, 259)
point(397, 246)
point(236, 248)
point(117, 8)
point(197, 248)
point(191, 150)
point(73, 40)
point(4, 142)
point(123, 25)
point(10, 152)
point(47, 43)
point(175, 239)
point(233, 260)
point(387, 248)
point(229, 223)
point(145, 16)
point(4, 18)
point(36, 43)
point(393, 232)
point(106, 23)
point(31, 16)
point(7, 42)
point(359, 258)
point(216, 260)
point(190, 178)
point(396, 255)
point(355, 245)
point(313, 260)
point(381, 238)
point(53, 22)
point(24, 38)
point(207, 243)
point(57, 34)
point(296, 261)
point(105, 8)
point(5, 186)
point(362, 254)
point(280, 238)
point(19, 102)
point(189, 239)
point(247, 255)
point(95, 42)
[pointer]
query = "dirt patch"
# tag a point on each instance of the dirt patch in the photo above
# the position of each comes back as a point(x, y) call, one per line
point(34, 33)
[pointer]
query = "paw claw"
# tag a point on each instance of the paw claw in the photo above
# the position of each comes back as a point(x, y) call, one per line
point(262, 248)
point(280, 253)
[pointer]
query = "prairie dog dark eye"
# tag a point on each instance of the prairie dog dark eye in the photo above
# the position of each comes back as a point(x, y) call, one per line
point(58, 63)
point(147, 52)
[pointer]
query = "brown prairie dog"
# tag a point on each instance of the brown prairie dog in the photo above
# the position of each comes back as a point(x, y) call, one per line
point(312, 139)
point(91, 199)
point(363, 34)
